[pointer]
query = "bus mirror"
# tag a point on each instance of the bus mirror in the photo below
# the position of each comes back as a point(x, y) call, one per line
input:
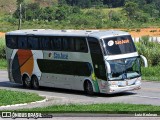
point(145, 60)
point(108, 67)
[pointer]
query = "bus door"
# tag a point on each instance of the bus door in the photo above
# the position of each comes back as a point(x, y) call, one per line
point(97, 59)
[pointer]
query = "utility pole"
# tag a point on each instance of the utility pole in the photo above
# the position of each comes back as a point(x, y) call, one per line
point(20, 16)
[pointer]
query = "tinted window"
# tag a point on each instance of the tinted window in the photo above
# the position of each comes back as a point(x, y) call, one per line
point(68, 44)
point(11, 42)
point(119, 45)
point(33, 43)
point(22, 42)
point(45, 43)
point(81, 45)
point(94, 46)
point(64, 67)
point(56, 43)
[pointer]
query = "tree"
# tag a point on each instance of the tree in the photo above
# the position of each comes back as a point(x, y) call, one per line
point(19, 2)
point(62, 2)
point(62, 12)
point(114, 16)
point(130, 9)
point(114, 3)
point(142, 17)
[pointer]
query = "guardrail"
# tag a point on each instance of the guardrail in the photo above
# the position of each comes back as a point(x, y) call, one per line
point(152, 39)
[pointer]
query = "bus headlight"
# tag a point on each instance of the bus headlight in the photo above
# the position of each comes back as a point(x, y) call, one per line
point(113, 84)
point(138, 81)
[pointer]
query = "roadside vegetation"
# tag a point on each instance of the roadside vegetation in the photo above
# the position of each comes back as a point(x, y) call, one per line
point(3, 63)
point(115, 108)
point(151, 50)
point(82, 14)
point(8, 97)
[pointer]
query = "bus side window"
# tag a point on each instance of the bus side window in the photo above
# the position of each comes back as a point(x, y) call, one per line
point(11, 42)
point(33, 43)
point(45, 43)
point(22, 42)
point(56, 43)
point(81, 45)
point(65, 44)
point(68, 44)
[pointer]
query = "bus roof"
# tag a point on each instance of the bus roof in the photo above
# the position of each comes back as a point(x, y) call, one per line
point(84, 33)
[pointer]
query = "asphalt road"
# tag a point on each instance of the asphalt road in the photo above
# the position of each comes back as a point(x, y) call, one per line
point(148, 94)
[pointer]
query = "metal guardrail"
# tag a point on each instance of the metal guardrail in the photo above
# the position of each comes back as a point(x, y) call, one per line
point(152, 39)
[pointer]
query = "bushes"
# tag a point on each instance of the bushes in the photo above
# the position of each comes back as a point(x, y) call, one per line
point(151, 50)
point(2, 48)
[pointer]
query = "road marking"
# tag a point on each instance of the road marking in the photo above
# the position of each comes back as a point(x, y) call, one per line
point(153, 89)
point(147, 97)
point(55, 96)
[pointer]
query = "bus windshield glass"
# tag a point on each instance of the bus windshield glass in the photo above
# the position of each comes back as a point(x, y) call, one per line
point(119, 45)
point(127, 68)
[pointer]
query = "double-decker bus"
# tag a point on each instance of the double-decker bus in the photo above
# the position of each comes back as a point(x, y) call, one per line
point(91, 61)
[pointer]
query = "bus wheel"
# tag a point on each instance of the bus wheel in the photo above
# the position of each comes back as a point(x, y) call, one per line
point(35, 83)
point(88, 88)
point(26, 82)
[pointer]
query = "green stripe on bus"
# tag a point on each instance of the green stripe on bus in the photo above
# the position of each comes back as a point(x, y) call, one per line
point(95, 82)
point(96, 85)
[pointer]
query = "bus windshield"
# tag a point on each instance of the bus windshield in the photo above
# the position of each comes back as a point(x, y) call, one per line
point(127, 68)
point(119, 45)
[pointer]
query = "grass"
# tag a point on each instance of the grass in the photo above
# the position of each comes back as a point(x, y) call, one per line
point(3, 64)
point(116, 108)
point(151, 73)
point(8, 97)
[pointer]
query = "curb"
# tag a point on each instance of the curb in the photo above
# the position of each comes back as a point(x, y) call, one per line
point(22, 104)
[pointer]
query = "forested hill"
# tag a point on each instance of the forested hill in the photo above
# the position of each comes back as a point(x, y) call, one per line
point(80, 14)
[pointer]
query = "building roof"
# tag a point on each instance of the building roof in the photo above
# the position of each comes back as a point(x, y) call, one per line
point(49, 32)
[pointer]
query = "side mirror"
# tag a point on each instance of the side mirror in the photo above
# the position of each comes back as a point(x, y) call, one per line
point(145, 60)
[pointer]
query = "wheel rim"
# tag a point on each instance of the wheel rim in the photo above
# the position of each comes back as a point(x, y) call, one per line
point(89, 88)
point(35, 83)
point(27, 82)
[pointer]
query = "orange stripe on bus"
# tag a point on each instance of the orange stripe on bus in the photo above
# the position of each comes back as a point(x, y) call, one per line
point(26, 62)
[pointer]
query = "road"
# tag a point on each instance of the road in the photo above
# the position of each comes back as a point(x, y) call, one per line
point(149, 94)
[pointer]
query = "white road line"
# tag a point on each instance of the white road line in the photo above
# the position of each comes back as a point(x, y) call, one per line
point(147, 97)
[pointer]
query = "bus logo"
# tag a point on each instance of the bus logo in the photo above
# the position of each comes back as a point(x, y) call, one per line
point(60, 56)
point(111, 43)
point(120, 42)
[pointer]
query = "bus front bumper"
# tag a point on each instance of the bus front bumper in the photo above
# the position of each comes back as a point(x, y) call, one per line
point(113, 90)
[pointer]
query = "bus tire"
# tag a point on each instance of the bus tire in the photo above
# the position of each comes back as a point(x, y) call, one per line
point(88, 88)
point(26, 81)
point(35, 83)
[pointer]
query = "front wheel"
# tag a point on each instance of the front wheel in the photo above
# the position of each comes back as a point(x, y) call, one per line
point(88, 88)
point(35, 83)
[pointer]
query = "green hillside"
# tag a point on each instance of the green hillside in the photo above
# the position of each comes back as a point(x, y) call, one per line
point(80, 14)
point(7, 6)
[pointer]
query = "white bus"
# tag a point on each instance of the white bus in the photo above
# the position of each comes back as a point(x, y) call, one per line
point(91, 61)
